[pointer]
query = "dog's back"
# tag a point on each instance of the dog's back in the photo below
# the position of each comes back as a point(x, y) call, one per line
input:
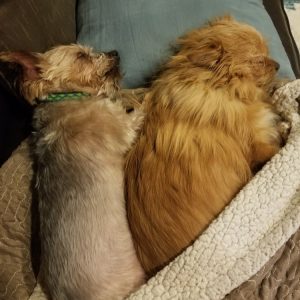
point(178, 178)
point(87, 251)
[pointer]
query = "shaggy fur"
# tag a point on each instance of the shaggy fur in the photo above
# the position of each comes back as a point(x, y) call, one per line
point(208, 126)
point(66, 68)
point(87, 248)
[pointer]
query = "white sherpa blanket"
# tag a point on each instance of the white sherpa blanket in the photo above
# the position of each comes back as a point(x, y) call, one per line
point(260, 219)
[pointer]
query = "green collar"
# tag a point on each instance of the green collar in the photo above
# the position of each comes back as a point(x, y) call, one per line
point(57, 97)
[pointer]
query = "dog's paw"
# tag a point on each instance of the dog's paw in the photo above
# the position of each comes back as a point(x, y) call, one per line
point(276, 84)
point(284, 129)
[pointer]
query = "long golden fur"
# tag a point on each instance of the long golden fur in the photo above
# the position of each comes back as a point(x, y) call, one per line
point(208, 126)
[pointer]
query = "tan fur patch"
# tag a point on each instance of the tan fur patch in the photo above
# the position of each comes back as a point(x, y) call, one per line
point(87, 249)
point(66, 69)
point(208, 126)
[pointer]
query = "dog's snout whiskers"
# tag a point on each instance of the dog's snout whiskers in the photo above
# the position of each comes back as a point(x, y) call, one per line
point(113, 53)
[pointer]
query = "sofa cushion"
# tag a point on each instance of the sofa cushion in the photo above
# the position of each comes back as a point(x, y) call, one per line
point(35, 25)
point(142, 31)
point(276, 10)
point(18, 252)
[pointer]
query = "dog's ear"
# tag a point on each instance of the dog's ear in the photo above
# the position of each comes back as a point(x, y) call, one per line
point(20, 70)
point(27, 60)
point(207, 54)
point(223, 20)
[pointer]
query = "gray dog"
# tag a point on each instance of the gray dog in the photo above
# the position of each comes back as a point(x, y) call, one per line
point(80, 143)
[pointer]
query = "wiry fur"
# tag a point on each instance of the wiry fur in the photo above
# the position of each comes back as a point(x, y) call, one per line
point(66, 68)
point(208, 126)
point(87, 248)
point(86, 243)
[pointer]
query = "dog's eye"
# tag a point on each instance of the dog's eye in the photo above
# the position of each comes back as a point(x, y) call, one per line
point(82, 55)
point(258, 60)
point(97, 55)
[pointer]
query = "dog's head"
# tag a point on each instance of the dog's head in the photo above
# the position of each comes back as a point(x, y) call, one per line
point(228, 50)
point(66, 68)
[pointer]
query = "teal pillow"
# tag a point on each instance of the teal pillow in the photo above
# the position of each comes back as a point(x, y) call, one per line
point(142, 31)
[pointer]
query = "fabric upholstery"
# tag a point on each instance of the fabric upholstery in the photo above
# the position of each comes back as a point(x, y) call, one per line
point(142, 31)
point(36, 25)
point(279, 277)
point(278, 15)
point(17, 251)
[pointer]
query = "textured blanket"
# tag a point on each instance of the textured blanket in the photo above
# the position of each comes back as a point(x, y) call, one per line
point(247, 252)
point(245, 236)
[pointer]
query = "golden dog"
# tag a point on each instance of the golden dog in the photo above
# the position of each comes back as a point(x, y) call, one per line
point(208, 126)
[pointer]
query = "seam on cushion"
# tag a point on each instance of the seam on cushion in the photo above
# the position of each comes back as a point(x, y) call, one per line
point(296, 66)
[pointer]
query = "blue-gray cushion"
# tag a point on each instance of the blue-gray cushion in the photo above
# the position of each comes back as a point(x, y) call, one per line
point(143, 30)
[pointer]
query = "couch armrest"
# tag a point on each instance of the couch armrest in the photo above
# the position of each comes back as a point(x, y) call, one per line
point(36, 25)
point(278, 15)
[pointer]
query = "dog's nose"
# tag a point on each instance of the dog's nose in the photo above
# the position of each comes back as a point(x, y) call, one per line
point(113, 53)
point(276, 65)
